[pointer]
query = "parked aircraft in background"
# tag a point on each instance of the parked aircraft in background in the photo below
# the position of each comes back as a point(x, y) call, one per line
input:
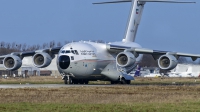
point(135, 73)
point(145, 72)
point(80, 62)
point(172, 75)
point(187, 73)
point(153, 73)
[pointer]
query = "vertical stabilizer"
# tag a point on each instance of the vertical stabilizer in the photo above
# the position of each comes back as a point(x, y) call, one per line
point(136, 14)
point(134, 20)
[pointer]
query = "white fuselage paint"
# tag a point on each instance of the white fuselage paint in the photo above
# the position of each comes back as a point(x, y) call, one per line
point(91, 59)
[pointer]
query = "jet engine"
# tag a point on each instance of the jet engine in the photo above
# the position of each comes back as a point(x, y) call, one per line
point(125, 59)
point(167, 62)
point(12, 62)
point(42, 60)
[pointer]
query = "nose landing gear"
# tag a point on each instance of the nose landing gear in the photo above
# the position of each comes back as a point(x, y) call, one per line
point(69, 80)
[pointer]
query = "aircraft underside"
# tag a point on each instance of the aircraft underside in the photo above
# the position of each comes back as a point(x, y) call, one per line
point(71, 80)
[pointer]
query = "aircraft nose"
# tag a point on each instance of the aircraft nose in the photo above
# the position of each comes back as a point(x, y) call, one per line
point(64, 62)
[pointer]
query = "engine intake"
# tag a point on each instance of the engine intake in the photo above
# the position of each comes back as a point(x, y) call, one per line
point(42, 60)
point(125, 59)
point(167, 62)
point(12, 62)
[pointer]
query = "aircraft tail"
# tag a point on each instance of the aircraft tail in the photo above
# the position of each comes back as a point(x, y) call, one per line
point(137, 72)
point(136, 14)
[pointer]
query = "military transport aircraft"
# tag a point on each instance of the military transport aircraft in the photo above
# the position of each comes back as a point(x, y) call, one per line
point(80, 62)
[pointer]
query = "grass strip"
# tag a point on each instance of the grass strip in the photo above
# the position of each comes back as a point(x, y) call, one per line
point(134, 107)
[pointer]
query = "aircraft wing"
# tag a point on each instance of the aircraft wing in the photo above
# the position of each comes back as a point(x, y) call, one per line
point(54, 50)
point(155, 53)
point(42, 58)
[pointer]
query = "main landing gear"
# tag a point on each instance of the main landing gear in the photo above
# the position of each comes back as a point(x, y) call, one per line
point(122, 81)
point(68, 80)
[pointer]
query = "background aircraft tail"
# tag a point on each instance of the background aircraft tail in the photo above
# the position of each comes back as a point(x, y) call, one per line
point(137, 72)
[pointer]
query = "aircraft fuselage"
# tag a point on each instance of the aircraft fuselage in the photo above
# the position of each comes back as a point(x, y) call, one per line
point(86, 60)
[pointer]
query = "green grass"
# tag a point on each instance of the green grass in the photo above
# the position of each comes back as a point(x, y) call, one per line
point(102, 99)
point(134, 107)
point(119, 98)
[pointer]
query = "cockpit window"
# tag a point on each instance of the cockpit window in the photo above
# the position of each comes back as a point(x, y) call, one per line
point(67, 51)
point(76, 52)
point(63, 51)
point(73, 51)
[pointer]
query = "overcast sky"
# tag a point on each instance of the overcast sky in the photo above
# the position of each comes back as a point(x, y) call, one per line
point(164, 26)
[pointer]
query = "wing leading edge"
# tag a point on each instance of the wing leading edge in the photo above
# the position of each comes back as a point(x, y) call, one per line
point(54, 50)
point(155, 53)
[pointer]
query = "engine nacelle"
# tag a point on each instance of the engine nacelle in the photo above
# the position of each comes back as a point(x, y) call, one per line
point(12, 62)
point(125, 59)
point(42, 60)
point(167, 62)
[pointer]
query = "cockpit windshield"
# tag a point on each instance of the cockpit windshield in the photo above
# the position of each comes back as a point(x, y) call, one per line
point(63, 51)
point(72, 51)
point(68, 51)
point(76, 52)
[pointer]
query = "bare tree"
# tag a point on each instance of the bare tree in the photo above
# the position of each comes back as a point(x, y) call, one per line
point(8, 45)
point(52, 44)
point(24, 47)
point(148, 61)
point(182, 60)
point(38, 47)
point(19, 46)
point(59, 44)
point(66, 42)
point(13, 45)
point(2, 44)
point(45, 45)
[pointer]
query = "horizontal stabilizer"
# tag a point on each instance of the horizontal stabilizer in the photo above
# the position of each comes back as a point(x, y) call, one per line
point(113, 2)
point(166, 1)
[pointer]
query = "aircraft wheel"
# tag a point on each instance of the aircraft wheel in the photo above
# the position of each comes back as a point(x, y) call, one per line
point(68, 80)
point(86, 82)
point(74, 81)
point(124, 81)
point(81, 81)
point(112, 82)
point(128, 81)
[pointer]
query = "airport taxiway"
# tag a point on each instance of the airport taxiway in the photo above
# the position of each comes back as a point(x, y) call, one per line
point(47, 85)
point(81, 85)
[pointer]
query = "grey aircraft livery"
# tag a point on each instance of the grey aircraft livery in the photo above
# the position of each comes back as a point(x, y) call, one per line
point(80, 62)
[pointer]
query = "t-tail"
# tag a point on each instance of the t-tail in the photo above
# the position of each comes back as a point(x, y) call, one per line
point(137, 72)
point(136, 14)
